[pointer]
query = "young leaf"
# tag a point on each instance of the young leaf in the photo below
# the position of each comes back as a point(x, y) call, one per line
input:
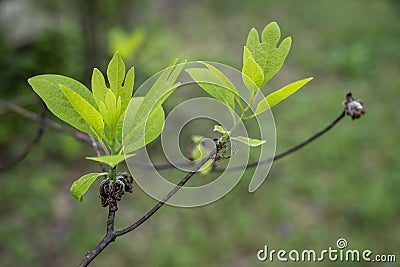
point(138, 135)
point(210, 83)
point(149, 109)
point(112, 160)
point(116, 73)
point(254, 46)
point(127, 89)
point(47, 87)
point(85, 110)
point(275, 56)
point(81, 185)
point(110, 109)
point(225, 80)
point(252, 70)
point(220, 129)
point(119, 126)
point(277, 96)
point(199, 152)
point(249, 141)
point(99, 88)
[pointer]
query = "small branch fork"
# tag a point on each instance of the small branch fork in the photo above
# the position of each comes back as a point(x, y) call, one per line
point(111, 235)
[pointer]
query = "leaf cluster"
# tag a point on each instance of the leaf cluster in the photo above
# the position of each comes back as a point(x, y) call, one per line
point(103, 111)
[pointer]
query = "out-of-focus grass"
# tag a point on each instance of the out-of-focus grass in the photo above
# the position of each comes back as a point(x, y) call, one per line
point(343, 185)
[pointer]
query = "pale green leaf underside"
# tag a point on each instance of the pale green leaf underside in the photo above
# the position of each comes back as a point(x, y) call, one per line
point(210, 83)
point(279, 95)
point(135, 119)
point(85, 110)
point(199, 152)
point(249, 141)
point(252, 70)
point(47, 87)
point(220, 129)
point(225, 80)
point(81, 185)
point(138, 135)
point(112, 160)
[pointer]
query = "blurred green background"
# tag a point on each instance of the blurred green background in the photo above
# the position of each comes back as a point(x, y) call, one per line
point(344, 185)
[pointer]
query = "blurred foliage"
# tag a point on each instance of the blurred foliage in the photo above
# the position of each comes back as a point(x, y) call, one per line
point(344, 185)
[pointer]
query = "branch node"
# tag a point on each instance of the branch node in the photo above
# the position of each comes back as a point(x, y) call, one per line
point(112, 191)
point(353, 107)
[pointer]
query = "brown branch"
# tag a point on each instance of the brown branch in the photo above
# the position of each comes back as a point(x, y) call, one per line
point(111, 235)
point(96, 149)
point(41, 123)
point(288, 151)
point(47, 122)
point(108, 238)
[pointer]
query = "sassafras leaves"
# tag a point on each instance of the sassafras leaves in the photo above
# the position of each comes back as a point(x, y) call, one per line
point(81, 185)
point(90, 114)
point(47, 87)
point(264, 56)
point(249, 141)
point(277, 96)
point(112, 160)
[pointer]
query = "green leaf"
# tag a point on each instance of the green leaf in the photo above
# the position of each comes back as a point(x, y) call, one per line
point(220, 129)
point(277, 96)
point(110, 109)
point(144, 133)
point(252, 70)
point(225, 80)
point(149, 109)
point(127, 89)
point(275, 56)
point(199, 152)
point(210, 83)
point(116, 73)
point(119, 127)
point(254, 46)
point(112, 160)
point(99, 88)
point(84, 109)
point(81, 185)
point(47, 87)
point(249, 141)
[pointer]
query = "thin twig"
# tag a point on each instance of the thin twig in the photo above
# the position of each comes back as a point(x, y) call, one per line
point(39, 133)
point(48, 122)
point(286, 152)
point(96, 149)
point(111, 235)
point(108, 238)
point(168, 196)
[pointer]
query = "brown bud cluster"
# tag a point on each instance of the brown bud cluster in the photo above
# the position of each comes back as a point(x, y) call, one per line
point(112, 191)
point(353, 107)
